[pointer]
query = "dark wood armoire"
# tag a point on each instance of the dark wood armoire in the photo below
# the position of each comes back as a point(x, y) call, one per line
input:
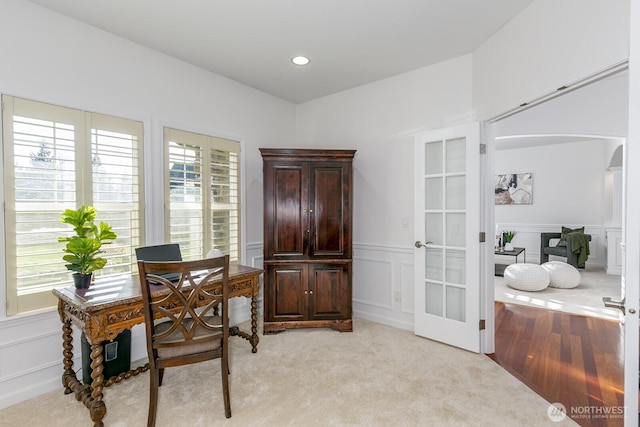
point(308, 202)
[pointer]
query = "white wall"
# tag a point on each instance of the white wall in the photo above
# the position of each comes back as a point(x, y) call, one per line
point(50, 58)
point(568, 182)
point(550, 44)
point(379, 120)
point(568, 190)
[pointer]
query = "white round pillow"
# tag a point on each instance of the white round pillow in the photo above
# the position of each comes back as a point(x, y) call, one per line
point(562, 275)
point(526, 277)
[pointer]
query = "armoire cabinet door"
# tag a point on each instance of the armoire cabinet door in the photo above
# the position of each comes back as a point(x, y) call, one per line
point(286, 210)
point(330, 210)
point(285, 286)
point(329, 291)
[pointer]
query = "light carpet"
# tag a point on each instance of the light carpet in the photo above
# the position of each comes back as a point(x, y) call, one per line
point(586, 299)
point(375, 376)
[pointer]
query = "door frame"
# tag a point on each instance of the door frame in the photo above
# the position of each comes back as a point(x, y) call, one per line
point(631, 231)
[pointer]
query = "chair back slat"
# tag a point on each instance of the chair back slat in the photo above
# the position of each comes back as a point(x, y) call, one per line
point(198, 295)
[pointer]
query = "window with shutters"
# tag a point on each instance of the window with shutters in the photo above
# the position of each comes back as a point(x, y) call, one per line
point(56, 158)
point(203, 193)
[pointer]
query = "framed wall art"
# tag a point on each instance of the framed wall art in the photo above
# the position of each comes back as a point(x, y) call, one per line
point(514, 189)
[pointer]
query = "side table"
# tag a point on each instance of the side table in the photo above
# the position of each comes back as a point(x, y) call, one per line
point(499, 268)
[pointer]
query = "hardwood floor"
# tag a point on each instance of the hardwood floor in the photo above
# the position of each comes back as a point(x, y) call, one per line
point(570, 359)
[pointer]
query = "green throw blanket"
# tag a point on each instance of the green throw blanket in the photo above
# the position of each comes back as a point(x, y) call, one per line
point(580, 246)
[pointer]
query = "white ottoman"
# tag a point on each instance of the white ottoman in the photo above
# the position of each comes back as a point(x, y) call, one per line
point(562, 275)
point(526, 277)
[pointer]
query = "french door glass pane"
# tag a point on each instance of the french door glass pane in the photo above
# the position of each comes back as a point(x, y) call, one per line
point(456, 262)
point(433, 295)
point(433, 193)
point(433, 158)
point(433, 227)
point(456, 155)
point(455, 303)
point(455, 192)
point(434, 264)
point(456, 229)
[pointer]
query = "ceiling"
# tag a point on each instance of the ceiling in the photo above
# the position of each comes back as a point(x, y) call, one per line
point(350, 42)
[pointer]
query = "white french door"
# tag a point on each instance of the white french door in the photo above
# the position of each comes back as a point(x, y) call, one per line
point(447, 252)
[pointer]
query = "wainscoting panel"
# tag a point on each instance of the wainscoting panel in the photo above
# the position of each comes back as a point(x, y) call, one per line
point(30, 356)
point(375, 275)
point(254, 256)
point(383, 284)
point(407, 287)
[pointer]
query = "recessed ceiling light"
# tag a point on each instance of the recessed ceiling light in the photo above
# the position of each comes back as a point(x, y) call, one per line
point(300, 60)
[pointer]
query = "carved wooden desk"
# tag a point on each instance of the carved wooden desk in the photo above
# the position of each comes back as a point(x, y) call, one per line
point(113, 305)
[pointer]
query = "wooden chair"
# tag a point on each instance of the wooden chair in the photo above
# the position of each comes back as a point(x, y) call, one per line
point(186, 320)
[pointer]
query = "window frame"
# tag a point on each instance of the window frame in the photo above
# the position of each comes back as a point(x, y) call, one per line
point(207, 140)
point(21, 301)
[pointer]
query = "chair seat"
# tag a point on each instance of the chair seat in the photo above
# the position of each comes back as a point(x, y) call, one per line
point(526, 277)
point(213, 342)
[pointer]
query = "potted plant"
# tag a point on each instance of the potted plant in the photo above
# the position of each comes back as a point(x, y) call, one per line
point(83, 249)
point(508, 237)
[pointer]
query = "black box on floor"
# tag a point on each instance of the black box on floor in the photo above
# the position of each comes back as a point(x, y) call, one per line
point(116, 355)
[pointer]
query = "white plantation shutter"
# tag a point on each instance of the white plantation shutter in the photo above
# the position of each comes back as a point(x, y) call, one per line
point(49, 155)
point(203, 193)
point(224, 203)
point(117, 190)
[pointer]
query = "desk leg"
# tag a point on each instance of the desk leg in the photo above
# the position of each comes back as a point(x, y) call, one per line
point(253, 338)
point(67, 353)
point(97, 408)
point(254, 323)
point(90, 396)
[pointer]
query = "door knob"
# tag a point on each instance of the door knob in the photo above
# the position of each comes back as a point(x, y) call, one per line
point(608, 302)
point(419, 244)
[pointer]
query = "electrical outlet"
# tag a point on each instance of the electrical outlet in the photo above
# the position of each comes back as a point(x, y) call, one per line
point(396, 296)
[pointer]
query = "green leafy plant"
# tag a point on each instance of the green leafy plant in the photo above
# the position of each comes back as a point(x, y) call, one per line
point(508, 235)
point(83, 249)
